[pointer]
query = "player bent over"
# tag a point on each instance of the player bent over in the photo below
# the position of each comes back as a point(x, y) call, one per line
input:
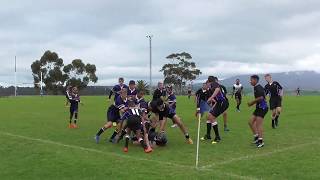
point(256, 121)
point(113, 115)
point(163, 112)
point(135, 123)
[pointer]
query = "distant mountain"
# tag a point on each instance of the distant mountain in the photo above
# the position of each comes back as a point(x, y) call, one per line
point(306, 80)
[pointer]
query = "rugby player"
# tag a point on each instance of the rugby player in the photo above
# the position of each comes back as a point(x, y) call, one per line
point(163, 111)
point(114, 114)
point(256, 121)
point(74, 100)
point(117, 88)
point(219, 106)
point(132, 91)
point(172, 101)
point(275, 91)
point(225, 113)
point(237, 93)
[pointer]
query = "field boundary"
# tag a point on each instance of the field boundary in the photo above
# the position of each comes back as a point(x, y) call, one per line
point(124, 156)
point(248, 157)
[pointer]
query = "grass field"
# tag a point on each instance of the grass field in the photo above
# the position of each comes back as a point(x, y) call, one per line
point(36, 144)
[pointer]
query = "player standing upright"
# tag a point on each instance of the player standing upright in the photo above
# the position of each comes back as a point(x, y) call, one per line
point(219, 106)
point(117, 88)
point(256, 121)
point(172, 102)
point(74, 100)
point(275, 91)
point(237, 93)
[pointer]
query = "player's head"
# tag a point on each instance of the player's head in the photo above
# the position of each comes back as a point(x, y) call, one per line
point(169, 88)
point(216, 79)
point(160, 85)
point(160, 105)
point(124, 93)
point(69, 88)
point(121, 80)
point(211, 79)
point(132, 84)
point(254, 79)
point(140, 94)
point(131, 104)
point(204, 85)
point(237, 81)
point(161, 139)
point(268, 78)
point(75, 90)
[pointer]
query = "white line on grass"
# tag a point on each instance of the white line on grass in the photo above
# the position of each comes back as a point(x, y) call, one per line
point(122, 156)
point(258, 155)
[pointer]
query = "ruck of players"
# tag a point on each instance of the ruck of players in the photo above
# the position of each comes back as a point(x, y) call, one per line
point(133, 120)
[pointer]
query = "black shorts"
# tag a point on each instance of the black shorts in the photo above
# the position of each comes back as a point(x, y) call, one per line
point(74, 109)
point(238, 96)
point(166, 114)
point(113, 114)
point(219, 108)
point(134, 123)
point(260, 112)
point(275, 102)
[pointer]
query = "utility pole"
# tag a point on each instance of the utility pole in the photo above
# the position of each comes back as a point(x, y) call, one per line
point(150, 62)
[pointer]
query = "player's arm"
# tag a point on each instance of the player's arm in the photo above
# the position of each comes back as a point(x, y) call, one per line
point(215, 93)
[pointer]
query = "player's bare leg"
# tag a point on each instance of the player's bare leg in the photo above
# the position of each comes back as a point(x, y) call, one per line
point(259, 125)
point(253, 127)
point(103, 129)
point(177, 120)
point(278, 112)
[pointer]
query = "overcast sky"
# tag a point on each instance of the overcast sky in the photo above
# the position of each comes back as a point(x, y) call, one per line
point(225, 37)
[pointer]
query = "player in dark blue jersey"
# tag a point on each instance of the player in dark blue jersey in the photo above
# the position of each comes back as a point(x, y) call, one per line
point(162, 112)
point(219, 105)
point(256, 121)
point(117, 88)
point(132, 91)
point(74, 100)
point(275, 91)
point(135, 123)
point(172, 102)
point(114, 114)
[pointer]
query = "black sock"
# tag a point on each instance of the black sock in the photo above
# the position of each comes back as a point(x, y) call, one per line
point(123, 132)
point(114, 134)
point(101, 131)
point(127, 141)
point(75, 121)
point(238, 106)
point(209, 129)
point(70, 121)
point(216, 130)
point(187, 136)
point(276, 118)
point(143, 144)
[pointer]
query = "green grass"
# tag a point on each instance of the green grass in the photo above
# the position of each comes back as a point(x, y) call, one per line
point(36, 144)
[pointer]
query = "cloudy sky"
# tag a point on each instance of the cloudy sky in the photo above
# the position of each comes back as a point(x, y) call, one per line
point(225, 37)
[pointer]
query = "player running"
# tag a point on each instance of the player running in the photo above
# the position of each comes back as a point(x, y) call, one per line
point(74, 100)
point(114, 114)
point(117, 88)
point(275, 91)
point(256, 121)
point(172, 101)
point(219, 106)
point(237, 93)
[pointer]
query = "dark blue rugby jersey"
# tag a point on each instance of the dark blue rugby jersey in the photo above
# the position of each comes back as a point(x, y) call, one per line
point(220, 96)
point(74, 99)
point(143, 105)
point(132, 94)
point(172, 100)
point(259, 92)
point(117, 88)
point(119, 103)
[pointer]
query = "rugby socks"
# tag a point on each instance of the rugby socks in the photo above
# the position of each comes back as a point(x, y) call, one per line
point(276, 120)
point(114, 134)
point(127, 141)
point(101, 131)
point(238, 107)
point(216, 129)
point(209, 125)
point(187, 136)
point(273, 123)
point(142, 143)
point(75, 118)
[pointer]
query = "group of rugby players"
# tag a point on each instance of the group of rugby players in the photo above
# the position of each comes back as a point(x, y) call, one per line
point(144, 122)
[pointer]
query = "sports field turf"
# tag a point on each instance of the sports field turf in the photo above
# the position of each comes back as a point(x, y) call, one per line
point(36, 144)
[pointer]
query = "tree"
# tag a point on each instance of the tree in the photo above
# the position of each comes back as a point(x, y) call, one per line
point(50, 64)
point(78, 74)
point(143, 86)
point(180, 70)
